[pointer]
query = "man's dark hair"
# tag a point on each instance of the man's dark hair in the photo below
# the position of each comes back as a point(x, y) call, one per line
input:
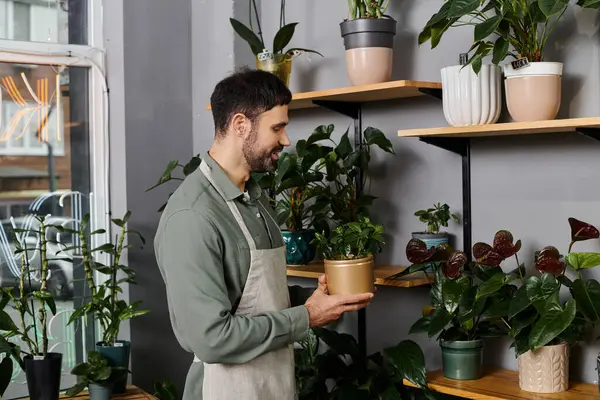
point(249, 92)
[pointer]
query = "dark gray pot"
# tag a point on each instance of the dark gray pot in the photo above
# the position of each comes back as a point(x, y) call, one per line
point(99, 392)
point(368, 32)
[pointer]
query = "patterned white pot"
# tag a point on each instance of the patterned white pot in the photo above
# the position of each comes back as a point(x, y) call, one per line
point(470, 99)
point(545, 370)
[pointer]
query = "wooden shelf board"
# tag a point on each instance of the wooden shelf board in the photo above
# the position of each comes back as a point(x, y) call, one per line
point(382, 272)
point(362, 94)
point(499, 384)
point(132, 393)
point(505, 129)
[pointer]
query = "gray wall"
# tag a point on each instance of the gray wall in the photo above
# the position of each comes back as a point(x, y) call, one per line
point(529, 185)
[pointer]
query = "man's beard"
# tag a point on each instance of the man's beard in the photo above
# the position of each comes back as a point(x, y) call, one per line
point(257, 160)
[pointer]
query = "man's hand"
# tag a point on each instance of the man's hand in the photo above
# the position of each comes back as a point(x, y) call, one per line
point(324, 308)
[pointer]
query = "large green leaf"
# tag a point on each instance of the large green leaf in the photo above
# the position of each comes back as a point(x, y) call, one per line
point(409, 362)
point(539, 289)
point(440, 318)
point(320, 133)
point(492, 285)
point(519, 303)
point(344, 148)
point(522, 320)
point(374, 136)
point(283, 166)
point(587, 296)
point(283, 37)
point(583, 260)
point(589, 3)
point(421, 326)
point(552, 7)
point(535, 13)
point(486, 28)
point(460, 8)
point(552, 323)
point(250, 37)
point(6, 371)
point(500, 50)
point(6, 322)
point(438, 30)
point(452, 292)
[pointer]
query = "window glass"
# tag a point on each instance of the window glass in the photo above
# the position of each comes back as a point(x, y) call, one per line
point(33, 182)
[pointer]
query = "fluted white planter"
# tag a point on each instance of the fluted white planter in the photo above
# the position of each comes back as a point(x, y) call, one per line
point(469, 98)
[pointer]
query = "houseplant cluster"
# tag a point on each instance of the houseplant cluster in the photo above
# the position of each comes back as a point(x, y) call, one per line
point(515, 34)
point(472, 301)
point(368, 38)
point(105, 371)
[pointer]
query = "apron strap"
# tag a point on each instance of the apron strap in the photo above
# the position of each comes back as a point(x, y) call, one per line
point(232, 206)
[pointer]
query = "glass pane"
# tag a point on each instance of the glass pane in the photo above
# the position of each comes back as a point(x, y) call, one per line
point(46, 107)
point(50, 21)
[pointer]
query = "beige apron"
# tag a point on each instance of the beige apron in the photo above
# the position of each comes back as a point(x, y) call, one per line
point(270, 376)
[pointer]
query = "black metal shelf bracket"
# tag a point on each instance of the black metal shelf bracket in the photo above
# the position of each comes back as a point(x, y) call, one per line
point(462, 147)
point(354, 111)
point(592, 133)
point(349, 109)
point(437, 93)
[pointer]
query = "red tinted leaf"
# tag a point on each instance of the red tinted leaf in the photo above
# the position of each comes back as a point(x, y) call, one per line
point(453, 268)
point(417, 251)
point(442, 252)
point(551, 265)
point(582, 230)
point(485, 255)
point(481, 249)
point(549, 251)
point(503, 237)
point(507, 249)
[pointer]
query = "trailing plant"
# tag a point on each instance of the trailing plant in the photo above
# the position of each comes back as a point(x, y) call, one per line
point(504, 28)
point(293, 189)
point(95, 371)
point(345, 168)
point(352, 240)
point(105, 305)
point(359, 9)
point(329, 366)
point(436, 217)
point(280, 41)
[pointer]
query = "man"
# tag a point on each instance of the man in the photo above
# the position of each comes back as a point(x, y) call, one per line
point(222, 256)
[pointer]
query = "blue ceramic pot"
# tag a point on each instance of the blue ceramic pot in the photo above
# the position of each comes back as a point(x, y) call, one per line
point(431, 240)
point(117, 356)
point(298, 249)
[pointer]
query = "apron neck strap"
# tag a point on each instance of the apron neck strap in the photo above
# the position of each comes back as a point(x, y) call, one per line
point(231, 204)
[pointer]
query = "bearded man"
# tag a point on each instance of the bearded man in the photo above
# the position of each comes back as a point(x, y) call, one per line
point(222, 256)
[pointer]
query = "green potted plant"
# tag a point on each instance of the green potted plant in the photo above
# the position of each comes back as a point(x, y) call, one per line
point(348, 253)
point(293, 189)
point(42, 366)
point(105, 305)
point(435, 218)
point(516, 29)
point(173, 166)
point(368, 35)
point(277, 60)
point(97, 375)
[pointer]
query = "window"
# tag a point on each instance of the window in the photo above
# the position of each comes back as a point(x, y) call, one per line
point(53, 143)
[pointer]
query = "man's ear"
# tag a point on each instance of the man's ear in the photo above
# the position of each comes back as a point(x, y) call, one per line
point(240, 125)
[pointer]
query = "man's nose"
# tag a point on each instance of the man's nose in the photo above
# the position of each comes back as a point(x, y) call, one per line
point(285, 140)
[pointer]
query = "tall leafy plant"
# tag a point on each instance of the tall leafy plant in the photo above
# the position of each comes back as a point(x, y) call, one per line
point(256, 40)
point(503, 28)
point(435, 217)
point(367, 8)
point(105, 304)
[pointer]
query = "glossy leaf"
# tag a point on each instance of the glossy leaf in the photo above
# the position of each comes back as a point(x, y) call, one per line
point(6, 322)
point(452, 292)
point(421, 326)
point(500, 50)
point(374, 136)
point(486, 28)
point(460, 8)
point(344, 148)
point(552, 323)
point(440, 318)
point(519, 302)
point(492, 285)
point(283, 37)
point(540, 289)
point(587, 295)
point(535, 13)
point(552, 7)
point(6, 371)
point(256, 45)
point(523, 320)
point(409, 361)
point(581, 261)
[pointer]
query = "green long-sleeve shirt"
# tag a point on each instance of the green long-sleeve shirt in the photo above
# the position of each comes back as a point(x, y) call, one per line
point(204, 260)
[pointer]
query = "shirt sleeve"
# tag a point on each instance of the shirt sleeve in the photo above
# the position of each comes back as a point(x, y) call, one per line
point(190, 253)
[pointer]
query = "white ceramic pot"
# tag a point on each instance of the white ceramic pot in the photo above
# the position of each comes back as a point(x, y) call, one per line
point(469, 98)
point(545, 370)
point(533, 93)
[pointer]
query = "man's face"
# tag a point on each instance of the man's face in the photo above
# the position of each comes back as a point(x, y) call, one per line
point(266, 140)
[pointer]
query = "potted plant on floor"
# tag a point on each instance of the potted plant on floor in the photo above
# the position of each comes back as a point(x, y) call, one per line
point(516, 29)
point(105, 305)
point(97, 375)
point(435, 218)
point(348, 254)
point(277, 60)
point(368, 35)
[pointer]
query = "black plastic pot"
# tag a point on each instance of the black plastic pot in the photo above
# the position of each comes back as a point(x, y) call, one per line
point(43, 376)
point(117, 356)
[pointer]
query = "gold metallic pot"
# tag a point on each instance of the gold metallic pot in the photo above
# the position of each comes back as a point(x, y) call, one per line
point(350, 276)
point(280, 65)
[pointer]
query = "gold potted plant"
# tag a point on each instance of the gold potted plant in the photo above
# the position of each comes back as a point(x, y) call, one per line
point(276, 60)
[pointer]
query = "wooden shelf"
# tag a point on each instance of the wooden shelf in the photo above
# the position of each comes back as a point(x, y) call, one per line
point(361, 94)
point(382, 272)
point(132, 393)
point(505, 129)
point(499, 384)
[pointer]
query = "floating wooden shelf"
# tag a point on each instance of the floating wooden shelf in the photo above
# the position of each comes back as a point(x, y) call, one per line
point(361, 94)
point(499, 384)
point(505, 129)
point(381, 273)
point(132, 393)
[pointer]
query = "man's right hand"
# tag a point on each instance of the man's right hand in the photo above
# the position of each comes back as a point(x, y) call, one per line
point(324, 308)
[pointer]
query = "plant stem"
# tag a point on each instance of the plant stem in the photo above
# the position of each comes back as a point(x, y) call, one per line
point(43, 288)
point(258, 22)
point(506, 323)
point(89, 273)
point(33, 348)
point(519, 268)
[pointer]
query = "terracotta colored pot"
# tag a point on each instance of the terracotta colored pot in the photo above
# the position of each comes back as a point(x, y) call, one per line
point(369, 45)
point(350, 276)
point(533, 93)
point(545, 370)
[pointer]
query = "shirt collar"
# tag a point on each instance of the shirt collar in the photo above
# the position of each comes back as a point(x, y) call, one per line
point(230, 191)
